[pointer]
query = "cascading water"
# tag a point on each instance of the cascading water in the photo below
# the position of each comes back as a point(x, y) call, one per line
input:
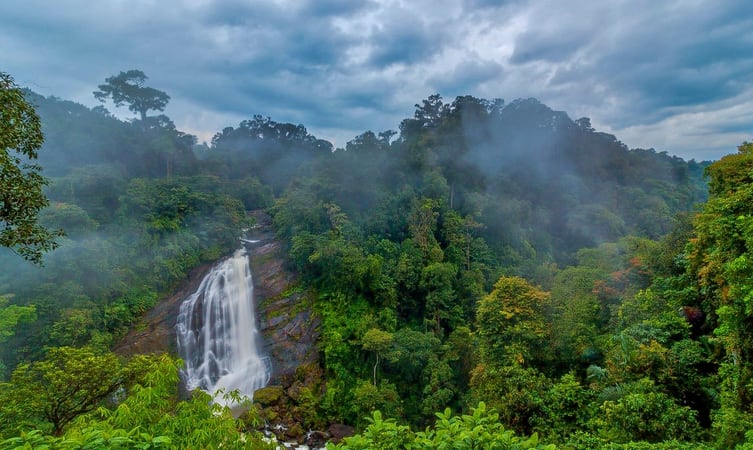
point(217, 333)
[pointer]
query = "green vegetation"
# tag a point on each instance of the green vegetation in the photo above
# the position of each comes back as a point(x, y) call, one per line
point(480, 429)
point(21, 182)
point(534, 280)
point(128, 87)
point(147, 415)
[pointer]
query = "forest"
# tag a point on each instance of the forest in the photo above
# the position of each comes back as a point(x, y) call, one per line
point(491, 275)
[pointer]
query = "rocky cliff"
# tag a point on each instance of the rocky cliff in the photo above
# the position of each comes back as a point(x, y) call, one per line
point(155, 332)
point(286, 322)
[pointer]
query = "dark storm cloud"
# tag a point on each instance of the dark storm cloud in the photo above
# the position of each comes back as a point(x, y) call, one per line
point(466, 75)
point(328, 8)
point(681, 70)
point(406, 39)
point(673, 75)
point(548, 47)
point(639, 64)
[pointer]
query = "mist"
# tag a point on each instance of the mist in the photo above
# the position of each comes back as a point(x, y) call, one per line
point(542, 185)
point(515, 221)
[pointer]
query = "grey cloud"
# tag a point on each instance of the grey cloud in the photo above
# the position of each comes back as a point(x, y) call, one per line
point(328, 8)
point(652, 63)
point(547, 46)
point(475, 5)
point(404, 38)
point(639, 66)
point(466, 76)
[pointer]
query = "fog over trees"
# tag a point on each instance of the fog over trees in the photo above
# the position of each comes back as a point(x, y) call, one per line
point(493, 274)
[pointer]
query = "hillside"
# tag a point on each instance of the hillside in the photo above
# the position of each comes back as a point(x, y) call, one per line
point(486, 255)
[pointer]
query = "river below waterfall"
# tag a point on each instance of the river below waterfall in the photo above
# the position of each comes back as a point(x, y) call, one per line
point(217, 332)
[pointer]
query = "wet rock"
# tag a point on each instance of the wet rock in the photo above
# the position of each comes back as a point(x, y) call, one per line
point(315, 439)
point(339, 431)
point(294, 391)
point(155, 332)
point(289, 329)
point(268, 396)
point(294, 432)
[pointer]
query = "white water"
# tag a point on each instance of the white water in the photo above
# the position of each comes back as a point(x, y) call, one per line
point(217, 333)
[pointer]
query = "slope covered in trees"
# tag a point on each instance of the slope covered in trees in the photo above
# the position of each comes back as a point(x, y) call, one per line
point(545, 283)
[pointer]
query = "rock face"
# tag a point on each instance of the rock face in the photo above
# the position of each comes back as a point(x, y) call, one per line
point(338, 431)
point(289, 330)
point(286, 322)
point(292, 408)
point(155, 333)
point(288, 327)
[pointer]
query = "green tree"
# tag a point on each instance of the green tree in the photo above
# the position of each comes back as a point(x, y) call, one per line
point(517, 392)
point(644, 414)
point(368, 398)
point(422, 224)
point(512, 332)
point(128, 88)
point(52, 392)
point(565, 409)
point(379, 342)
point(437, 279)
point(721, 261)
point(150, 416)
point(511, 323)
point(574, 314)
point(481, 429)
point(439, 389)
point(73, 219)
point(10, 317)
point(21, 183)
point(381, 433)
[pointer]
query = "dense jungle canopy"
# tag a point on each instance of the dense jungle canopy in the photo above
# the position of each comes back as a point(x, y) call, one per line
point(491, 275)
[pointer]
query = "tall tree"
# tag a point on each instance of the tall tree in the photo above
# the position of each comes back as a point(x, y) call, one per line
point(21, 196)
point(510, 320)
point(54, 391)
point(128, 87)
point(721, 256)
point(511, 334)
point(10, 317)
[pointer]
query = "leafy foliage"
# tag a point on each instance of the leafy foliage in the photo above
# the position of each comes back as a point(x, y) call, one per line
point(720, 255)
point(128, 87)
point(149, 417)
point(21, 182)
point(487, 254)
point(511, 323)
point(480, 429)
point(67, 383)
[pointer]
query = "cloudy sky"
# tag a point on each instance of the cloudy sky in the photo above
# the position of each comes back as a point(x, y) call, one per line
point(673, 75)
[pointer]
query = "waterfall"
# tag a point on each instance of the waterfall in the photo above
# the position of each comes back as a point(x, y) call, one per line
point(217, 332)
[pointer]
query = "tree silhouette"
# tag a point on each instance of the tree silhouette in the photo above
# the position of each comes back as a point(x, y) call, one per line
point(128, 88)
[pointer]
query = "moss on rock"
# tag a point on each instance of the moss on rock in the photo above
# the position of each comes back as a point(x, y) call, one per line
point(268, 396)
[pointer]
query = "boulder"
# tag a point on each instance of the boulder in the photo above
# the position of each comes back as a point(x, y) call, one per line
point(268, 396)
point(338, 431)
point(316, 439)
